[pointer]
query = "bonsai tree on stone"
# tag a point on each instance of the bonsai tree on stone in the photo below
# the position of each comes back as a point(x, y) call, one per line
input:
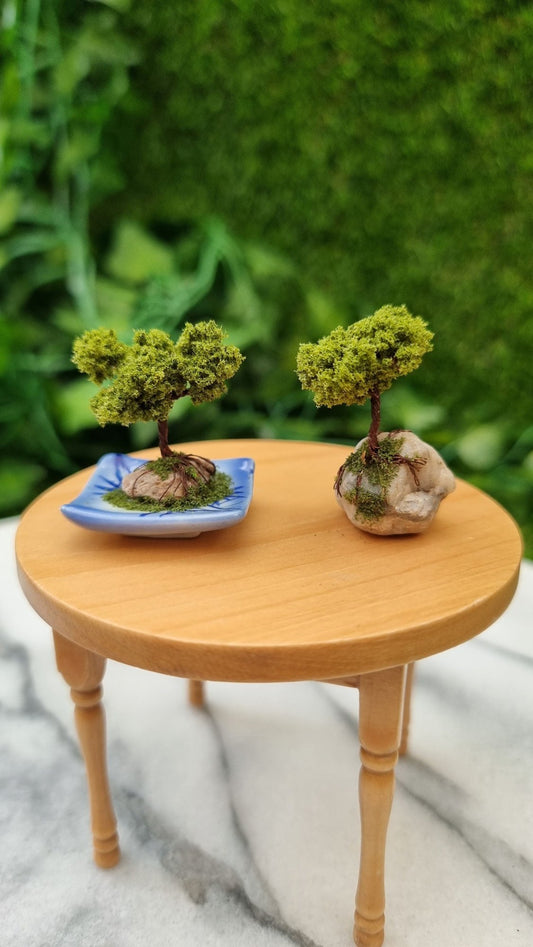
point(141, 382)
point(392, 482)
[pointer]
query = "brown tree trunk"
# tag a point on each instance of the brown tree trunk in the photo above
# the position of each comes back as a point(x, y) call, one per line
point(375, 408)
point(162, 427)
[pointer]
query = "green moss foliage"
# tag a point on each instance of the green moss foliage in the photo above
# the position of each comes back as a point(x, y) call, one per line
point(384, 147)
point(379, 470)
point(370, 506)
point(219, 487)
point(349, 365)
point(147, 377)
point(99, 354)
point(164, 466)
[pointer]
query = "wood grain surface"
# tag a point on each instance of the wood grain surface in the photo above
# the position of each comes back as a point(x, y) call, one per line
point(293, 592)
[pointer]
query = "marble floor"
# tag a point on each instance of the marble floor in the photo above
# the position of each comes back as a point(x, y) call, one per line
point(239, 823)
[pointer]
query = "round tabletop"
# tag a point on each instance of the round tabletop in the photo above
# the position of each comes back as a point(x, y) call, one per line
point(293, 592)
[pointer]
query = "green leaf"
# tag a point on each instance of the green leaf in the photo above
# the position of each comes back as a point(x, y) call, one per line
point(528, 462)
point(70, 70)
point(411, 410)
point(71, 406)
point(136, 255)
point(9, 91)
point(68, 320)
point(264, 263)
point(324, 313)
point(9, 204)
point(37, 241)
point(245, 318)
point(37, 209)
point(73, 152)
point(120, 5)
point(480, 448)
point(26, 132)
point(163, 301)
point(17, 482)
point(143, 434)
point(114, 303)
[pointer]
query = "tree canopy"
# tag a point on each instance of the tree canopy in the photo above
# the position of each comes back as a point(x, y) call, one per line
point(146, 377)
point(353, 364)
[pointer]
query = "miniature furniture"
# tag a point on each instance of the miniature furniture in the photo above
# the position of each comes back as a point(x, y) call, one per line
point(293, 592)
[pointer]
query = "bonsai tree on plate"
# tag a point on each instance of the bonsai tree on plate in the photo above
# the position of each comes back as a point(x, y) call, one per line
point(381, 485)
point(141, 382)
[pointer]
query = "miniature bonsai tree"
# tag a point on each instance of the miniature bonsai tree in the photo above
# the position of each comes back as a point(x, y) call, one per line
point(358, 363)
point(141, 382)
point(351, 366)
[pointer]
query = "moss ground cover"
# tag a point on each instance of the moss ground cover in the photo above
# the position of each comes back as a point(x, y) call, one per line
point(218, 488)
point(379, 469)
point(386, 151)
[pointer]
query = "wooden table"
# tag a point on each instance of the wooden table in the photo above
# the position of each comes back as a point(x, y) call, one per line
point(293, 592)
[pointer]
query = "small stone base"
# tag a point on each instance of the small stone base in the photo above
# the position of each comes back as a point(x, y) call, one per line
point(185, 475)
point(413, 497)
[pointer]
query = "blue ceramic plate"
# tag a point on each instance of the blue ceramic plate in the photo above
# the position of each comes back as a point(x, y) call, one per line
point(89, 509)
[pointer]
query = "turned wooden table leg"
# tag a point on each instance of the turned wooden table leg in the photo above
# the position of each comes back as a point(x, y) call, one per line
point(406, 720)
point(196, 693)
point(380, 720)
point(83, 671)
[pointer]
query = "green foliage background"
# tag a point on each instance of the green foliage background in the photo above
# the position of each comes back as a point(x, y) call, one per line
point(282, 167)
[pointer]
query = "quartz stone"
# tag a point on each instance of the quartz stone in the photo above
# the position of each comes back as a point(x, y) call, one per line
point(413, 496)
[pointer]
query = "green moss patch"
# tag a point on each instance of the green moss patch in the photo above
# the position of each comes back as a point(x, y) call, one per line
point(379, 469)
point(412, 117)
point(164, 466)
point(370, 506)
point(219, 487)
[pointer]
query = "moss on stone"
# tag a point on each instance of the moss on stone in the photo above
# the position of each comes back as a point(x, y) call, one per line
point(369, 506)
point(164, 466)
point(379, 470)
point(219, 487)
